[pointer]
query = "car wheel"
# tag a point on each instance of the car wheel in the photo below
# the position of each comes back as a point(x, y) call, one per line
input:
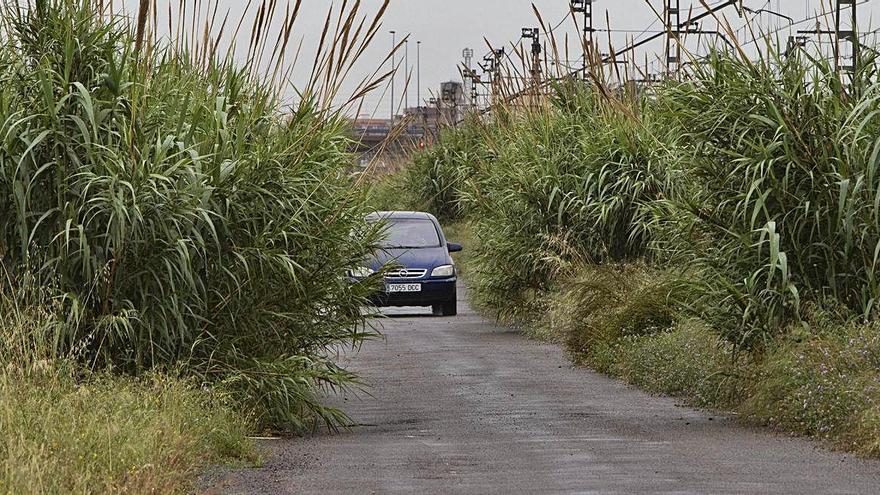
point(445, 309)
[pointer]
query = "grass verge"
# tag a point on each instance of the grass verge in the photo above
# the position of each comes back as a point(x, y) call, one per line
point(109, 434)
point(820, 379)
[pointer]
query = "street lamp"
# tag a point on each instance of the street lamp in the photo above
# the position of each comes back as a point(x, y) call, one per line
point(393, 70)
point(406, 73)
point(418, 74)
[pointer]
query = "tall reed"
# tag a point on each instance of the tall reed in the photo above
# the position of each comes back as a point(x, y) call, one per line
point(178, 214)
point(567, 183)
point(755, 179)
point(783, 204)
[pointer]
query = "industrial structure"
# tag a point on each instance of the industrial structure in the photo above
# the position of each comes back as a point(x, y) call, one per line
point(415, 128)
point(483, 83)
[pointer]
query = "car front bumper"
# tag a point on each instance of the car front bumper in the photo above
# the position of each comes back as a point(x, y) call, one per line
point(434, 291)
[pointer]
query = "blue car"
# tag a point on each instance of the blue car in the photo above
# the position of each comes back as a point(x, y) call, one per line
point(423, 272)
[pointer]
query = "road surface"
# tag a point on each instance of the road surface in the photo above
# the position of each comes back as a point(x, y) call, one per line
point(460, 405)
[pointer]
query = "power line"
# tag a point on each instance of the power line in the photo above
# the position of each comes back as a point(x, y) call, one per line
point(676, 25)
point(796, 23)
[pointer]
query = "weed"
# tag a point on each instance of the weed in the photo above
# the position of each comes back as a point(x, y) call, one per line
point(105, 434)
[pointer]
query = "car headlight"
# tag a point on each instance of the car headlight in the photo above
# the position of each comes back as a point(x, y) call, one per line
point(361, 272)
point(443, 271)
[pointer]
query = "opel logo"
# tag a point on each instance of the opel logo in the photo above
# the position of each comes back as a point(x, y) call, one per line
point(403, 273)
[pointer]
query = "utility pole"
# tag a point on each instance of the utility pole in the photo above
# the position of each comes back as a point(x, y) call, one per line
point(534, 34)
point(488, 66)
point(795, 43)
point(673, 42)
point(846, 31)
point(585, 7)
point(406, 73)
point(419, 110)
point(492, 69)
point(418, 74)
point(475, 80)
point(393, 70)
point(497, 81)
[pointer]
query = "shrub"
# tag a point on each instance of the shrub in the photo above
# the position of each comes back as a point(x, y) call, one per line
point(440, 178)
point(568, 183)
point(601, 304)
point(686, 361)
point(175, 214)
point(781, 199)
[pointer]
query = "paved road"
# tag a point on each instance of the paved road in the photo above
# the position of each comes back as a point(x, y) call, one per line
point(460, 405)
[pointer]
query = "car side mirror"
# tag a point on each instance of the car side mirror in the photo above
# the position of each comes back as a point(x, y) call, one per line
point(454, 248)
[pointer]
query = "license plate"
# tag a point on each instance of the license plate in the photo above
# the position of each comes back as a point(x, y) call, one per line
point(393, 288)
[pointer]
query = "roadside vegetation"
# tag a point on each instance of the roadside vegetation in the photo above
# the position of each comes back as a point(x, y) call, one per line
point(107, 434)
point(714, 238)
point(173, 235)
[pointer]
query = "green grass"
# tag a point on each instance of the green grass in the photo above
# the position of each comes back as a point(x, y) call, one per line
point(685, 361)
point(105, 434)
point(66, 429)
point(825, 387)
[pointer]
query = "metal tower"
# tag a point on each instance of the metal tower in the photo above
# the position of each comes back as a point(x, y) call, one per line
point(673, 43)
point(468, 55)
point(585, 7)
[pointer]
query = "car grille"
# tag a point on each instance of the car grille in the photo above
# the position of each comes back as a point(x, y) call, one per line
point(407, 273)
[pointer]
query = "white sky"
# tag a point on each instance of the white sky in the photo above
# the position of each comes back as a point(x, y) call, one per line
point(445, 27)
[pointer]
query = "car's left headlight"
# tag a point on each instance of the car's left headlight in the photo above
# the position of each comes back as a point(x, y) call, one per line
point(443, 271)
point(360, 272)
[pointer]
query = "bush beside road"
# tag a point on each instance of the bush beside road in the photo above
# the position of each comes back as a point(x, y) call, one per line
point(173, 240)
point(714, 239)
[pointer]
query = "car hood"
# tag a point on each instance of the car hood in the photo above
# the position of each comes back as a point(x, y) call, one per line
point(426, 258)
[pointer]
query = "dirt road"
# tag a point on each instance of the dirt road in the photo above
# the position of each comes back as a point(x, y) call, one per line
point(460, 405)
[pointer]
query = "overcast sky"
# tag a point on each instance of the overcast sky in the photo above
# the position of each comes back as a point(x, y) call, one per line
point(446, 27)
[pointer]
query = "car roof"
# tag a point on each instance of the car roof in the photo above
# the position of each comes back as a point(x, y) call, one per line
point(400, 215)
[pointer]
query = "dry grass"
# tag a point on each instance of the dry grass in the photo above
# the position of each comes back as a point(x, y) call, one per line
point(105, 434)
point(64, 429)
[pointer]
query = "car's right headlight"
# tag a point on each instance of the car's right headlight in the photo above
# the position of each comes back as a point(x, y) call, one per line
point(443, 271)
point(361, 272)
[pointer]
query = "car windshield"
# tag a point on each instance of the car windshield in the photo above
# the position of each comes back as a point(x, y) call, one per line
point(410, 233)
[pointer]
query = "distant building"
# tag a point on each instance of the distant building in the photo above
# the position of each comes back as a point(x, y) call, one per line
point(424, 122)
point(369, 131)
point(452, 102)
point(418, 127)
